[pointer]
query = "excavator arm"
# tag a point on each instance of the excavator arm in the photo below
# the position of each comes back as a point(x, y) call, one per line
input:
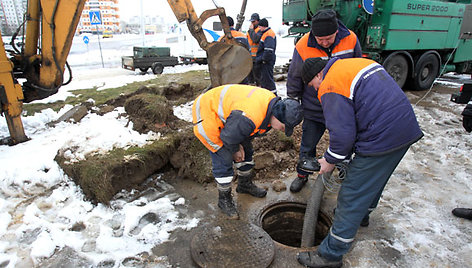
point(50, 28)
point(228, 61)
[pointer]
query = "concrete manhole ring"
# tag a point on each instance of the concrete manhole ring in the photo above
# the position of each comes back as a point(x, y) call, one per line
point(232, 243)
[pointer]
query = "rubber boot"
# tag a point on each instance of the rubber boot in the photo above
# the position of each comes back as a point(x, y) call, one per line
point(314, 260)
point(245, 186)
point(308, 164)
point(298, 183)
point(226, 204)
point(465, 213)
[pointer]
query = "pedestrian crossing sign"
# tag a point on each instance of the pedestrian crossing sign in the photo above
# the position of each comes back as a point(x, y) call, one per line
point(95, 17)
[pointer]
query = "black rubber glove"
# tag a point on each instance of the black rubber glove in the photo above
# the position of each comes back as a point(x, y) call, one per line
point(467, 118)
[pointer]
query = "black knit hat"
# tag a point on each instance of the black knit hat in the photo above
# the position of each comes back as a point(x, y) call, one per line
point(264, 23)
point(324, 23)
point(230, 21)
point(311, 67)
point(289, 112)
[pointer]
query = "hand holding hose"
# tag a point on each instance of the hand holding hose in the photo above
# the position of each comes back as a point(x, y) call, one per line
point(325, 166)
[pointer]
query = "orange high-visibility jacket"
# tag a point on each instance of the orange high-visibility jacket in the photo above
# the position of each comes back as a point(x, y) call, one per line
point(247, 107)
point(239, 37)
point(252, 45)
point(345, 46)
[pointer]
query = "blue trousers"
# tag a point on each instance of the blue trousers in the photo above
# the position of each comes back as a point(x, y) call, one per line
point(360, 191)
point(311, 135)
point(267, 77)
point(222, 160)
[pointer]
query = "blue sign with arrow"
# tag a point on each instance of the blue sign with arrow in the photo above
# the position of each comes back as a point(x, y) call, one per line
point(95, 17)
point(368, 6)
point(86, 39)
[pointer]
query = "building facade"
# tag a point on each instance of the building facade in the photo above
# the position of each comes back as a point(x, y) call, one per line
point(12, 15)
point(110, 17)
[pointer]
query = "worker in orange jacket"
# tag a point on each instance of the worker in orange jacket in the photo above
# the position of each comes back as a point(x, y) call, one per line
point(253, 38)
point(328, 38)
point(226, 119)
point(265, 56)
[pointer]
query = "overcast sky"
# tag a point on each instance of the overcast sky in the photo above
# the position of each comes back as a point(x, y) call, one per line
point(265, 8)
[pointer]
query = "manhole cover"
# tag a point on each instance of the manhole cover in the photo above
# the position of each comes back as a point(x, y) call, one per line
point(232, 243)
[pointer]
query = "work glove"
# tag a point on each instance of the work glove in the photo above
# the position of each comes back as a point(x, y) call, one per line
point(467, 117)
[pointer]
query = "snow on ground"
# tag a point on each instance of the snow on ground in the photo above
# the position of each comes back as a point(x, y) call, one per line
point(42, 210)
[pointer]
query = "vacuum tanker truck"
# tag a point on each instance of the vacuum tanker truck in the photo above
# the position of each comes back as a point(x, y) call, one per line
point(414, 40)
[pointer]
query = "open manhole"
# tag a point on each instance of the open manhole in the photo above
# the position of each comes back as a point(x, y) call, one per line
point(284, 223)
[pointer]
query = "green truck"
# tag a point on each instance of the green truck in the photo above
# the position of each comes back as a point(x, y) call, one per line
point(414, 40)
point(144, 58)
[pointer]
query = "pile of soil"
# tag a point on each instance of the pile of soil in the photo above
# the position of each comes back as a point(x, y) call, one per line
point(177, 152)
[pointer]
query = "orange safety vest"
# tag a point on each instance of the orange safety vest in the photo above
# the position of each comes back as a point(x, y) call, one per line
point(346, 45)
point(343, 75)
point(253, 46)
point(211, 109)
point(235, 34)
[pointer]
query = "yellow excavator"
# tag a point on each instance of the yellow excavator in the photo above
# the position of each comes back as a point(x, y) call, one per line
point(50, 28)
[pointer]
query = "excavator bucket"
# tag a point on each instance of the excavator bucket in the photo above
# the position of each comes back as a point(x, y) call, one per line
point(228, 63)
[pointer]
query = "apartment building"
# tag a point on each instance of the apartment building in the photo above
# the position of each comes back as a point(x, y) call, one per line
point(11, 15)
point(109, 12)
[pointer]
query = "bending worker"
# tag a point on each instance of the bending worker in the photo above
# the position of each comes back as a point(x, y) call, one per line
point(328, 38)
point(226, 118)
point(367, 114)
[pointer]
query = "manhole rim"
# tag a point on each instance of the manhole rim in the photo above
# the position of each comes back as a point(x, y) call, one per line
point(265, 209)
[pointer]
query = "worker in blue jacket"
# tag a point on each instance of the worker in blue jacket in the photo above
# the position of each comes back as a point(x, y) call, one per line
point(368, 115)
point(265, 56)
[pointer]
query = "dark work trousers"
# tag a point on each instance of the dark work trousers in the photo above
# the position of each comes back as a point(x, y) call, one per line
point(360, 191)
point(267, 77)
point(255, 74)
point(222, 160)
point(311, 135)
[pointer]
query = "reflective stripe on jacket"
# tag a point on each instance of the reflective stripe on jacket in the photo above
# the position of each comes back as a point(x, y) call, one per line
point(228, 114)
point(307, 47)
point(253, 45)
point(365, 110)
point(267, 45)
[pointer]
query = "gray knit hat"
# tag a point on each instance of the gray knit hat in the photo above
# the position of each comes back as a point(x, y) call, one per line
point(311, 67)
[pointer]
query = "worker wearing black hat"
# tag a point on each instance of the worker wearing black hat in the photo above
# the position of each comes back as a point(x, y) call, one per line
point(253, 37)
point(328, 38)
point(265, 56)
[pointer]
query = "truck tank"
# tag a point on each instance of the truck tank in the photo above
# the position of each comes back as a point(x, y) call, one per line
point(414, 40)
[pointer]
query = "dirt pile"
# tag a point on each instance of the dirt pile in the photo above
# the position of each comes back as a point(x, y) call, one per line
point(177, 152)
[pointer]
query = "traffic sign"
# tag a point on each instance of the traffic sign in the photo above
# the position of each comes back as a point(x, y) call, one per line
point(95, 17)
point(86, 39)
point(368, 6)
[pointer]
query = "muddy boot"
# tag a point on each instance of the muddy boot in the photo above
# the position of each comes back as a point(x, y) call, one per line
point(465, 213)
point(365, 221)
point(298, 183)
point(245, 186)
point(226, 204)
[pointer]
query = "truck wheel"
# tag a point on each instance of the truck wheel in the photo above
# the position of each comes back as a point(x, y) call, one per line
point(144, 69)
point(426, 70)
point(397, 67)
point(157, 68)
